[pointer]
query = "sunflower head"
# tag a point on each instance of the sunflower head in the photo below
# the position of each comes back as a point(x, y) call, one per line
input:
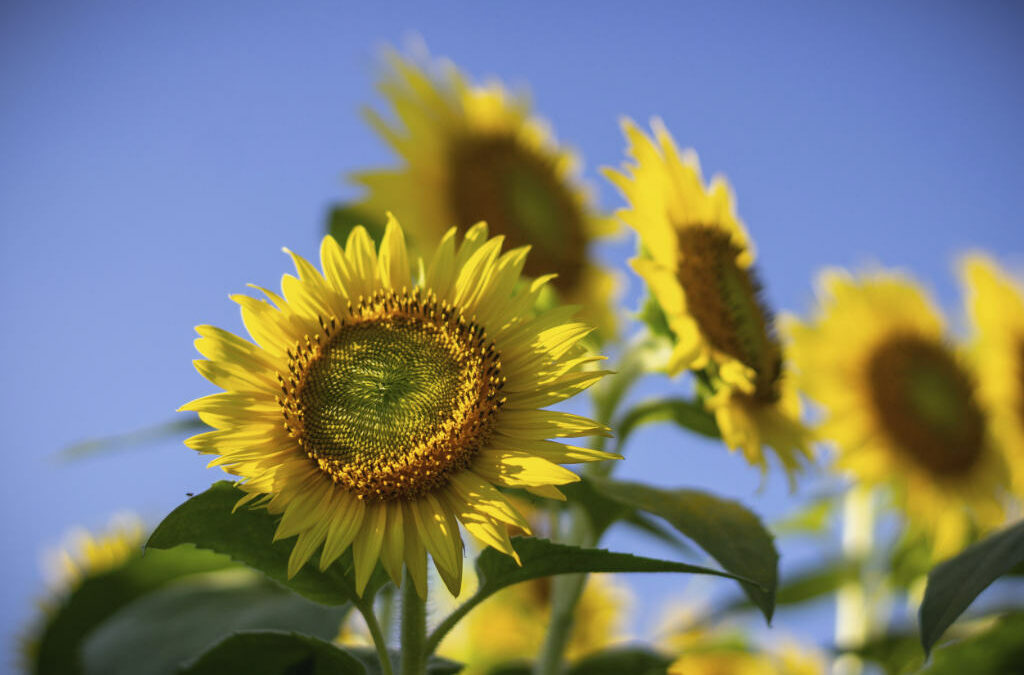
point(900, 403)
point(698, 264)
point(379, 412)
point(995, 305)
point(476, 153)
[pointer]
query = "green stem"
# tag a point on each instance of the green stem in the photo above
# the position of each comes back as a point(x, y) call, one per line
point(380, 643)
point(414, 629)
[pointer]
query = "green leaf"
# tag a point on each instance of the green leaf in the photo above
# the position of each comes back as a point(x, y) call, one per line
point(631, 660)
point(653, 315)
point(157, 432)
point(997, 651)
point(730, 533)
point(99, 597)
point(603, 511)
point(174, 625)
point(343, 218)
point(690, 415)
point(436, 665)
point(543, 558)
point(206, 521)
point(274, 653)
point(954, 584)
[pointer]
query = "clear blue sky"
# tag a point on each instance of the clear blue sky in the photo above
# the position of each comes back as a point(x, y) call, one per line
point(156, 156)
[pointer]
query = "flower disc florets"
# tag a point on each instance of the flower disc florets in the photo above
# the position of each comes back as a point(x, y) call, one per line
point(392, 400)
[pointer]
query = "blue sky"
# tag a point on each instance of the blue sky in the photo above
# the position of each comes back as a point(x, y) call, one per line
point(157, 156)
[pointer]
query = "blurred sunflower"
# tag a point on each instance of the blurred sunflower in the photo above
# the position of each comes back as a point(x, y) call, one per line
point(378, 412)
point(995, 305)
point(475, 153)
point(84, 556)
point(900, 405)
point(698, 264)
point(511, 625)
point(708, 648)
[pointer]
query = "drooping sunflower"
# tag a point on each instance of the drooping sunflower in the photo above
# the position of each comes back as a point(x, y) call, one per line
point(476, 153)
point(698, 262)
point(379, 412)
point(899, 403)
point(995, 305)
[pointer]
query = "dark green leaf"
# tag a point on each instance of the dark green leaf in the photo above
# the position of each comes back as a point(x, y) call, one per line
point(246, 535)
point(172, 626)
point(157, 432)
point(896, 653)
point(274, 653)
point(631, 660)
point(687, 414)
point(543, 558)
point(98, 597)
point(730, 533)
point(343, 218)
point(954, 584)
point(997, 651)
point(436, 665)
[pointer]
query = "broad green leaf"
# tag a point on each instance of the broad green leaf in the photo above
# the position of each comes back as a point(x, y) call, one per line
point(157, 432)
point(99, 597)
point(343, 218)
point(543, 558)
point(206, 521)
point(274, 653)
point(997, 651)
point(897, 652)
point(174, 625)
point(690, 415)
point(436, 665)
point(631, 660)
point(730, 533)
point(954, 584)
point(602, 511)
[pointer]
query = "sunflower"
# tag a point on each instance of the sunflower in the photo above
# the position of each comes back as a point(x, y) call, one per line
point(85, 555)
point(995, 305)
point(899, 403)
point(378, 413)
point(698, 264)
point(475, 153)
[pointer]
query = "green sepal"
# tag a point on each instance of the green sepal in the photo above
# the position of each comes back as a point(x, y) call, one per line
point(207, 521)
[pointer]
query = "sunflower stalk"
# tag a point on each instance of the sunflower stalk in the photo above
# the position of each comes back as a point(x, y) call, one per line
point(853, 606)
point(414, 629)
point(380, 641)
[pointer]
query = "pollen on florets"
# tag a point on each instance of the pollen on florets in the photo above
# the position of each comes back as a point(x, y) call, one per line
point(395, 397)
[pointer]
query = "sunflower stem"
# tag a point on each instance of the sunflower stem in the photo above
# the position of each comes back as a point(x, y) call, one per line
point(380, 643)
point(853, 610)
point(414, 629)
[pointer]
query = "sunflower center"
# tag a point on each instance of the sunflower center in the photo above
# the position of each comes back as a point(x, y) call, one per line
point(393, 400)
point(725, 300)
point(926, 403)
point(521, 195)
